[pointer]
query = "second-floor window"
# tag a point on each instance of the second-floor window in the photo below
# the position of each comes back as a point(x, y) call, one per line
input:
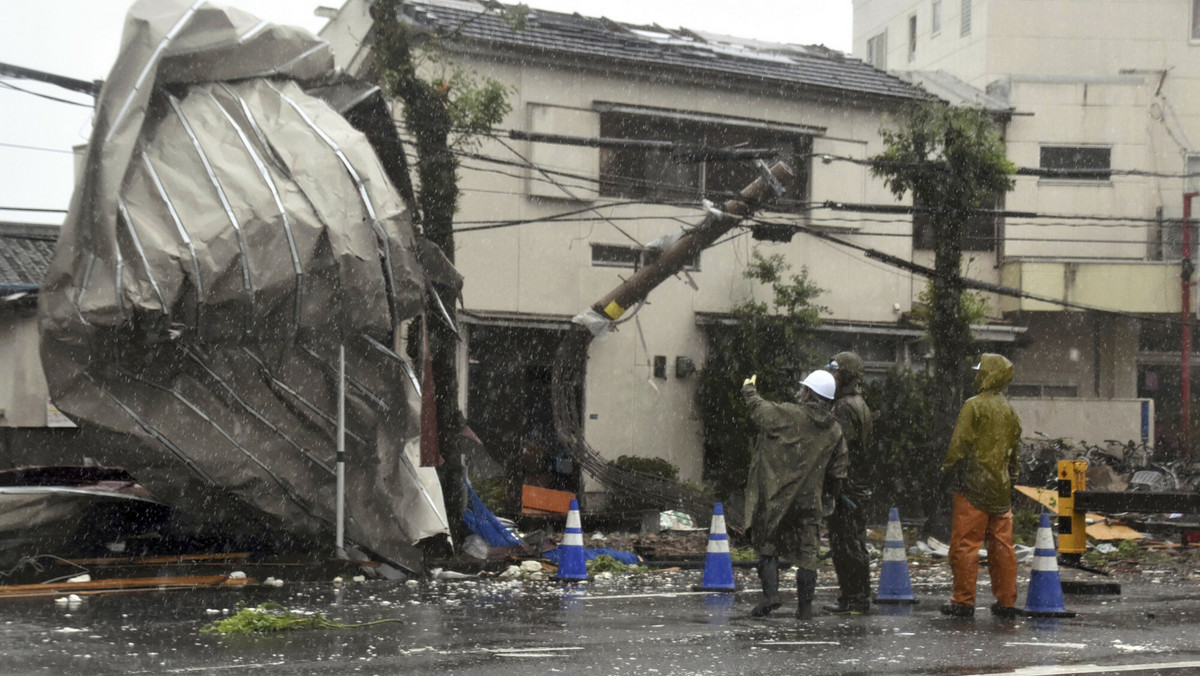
point(877, 51)
point(1196, 19)
point(641, 173)
point(979, 232)
point(1078, 163)
point(935, 17)
point(965, 27)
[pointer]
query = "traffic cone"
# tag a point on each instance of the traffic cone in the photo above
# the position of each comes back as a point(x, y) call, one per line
point(718, 564)
point(1045, 597)
point(894, 584)
point(572, 563)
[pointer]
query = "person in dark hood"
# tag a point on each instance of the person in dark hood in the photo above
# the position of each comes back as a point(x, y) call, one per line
point(799, 451)
point(848, 523)
point(984, 459)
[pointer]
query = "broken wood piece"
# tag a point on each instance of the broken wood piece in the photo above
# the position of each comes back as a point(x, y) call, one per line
point(120, 584)
point(546, 500)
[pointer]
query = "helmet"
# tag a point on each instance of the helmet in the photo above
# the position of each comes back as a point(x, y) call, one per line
point(821, 383)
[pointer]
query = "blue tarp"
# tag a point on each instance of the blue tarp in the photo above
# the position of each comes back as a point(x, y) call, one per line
point(627, 558)
point(480, 520)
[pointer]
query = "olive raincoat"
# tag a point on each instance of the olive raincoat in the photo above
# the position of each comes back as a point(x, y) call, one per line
point(799, 447)
point(855, 418)
point(985, 446)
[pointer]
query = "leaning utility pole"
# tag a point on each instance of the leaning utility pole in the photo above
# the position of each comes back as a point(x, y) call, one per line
point(571, 359)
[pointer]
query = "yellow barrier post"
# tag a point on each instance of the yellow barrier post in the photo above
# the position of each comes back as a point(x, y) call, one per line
point(1072, 528)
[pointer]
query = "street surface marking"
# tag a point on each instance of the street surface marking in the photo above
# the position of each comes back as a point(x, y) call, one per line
point(506, 651)
point(1092, 669)
point(772, 643)
point(1049, 645)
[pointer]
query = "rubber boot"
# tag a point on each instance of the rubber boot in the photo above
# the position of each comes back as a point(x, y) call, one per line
point(849, 607)
point(768, 572)
point(806, 590)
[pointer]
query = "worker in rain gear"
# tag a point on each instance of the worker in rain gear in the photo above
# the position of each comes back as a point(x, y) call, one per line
point(848, 523)
point(983, 461)
point(799, 451)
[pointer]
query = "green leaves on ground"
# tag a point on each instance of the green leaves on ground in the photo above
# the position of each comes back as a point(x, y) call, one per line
point(271, 617)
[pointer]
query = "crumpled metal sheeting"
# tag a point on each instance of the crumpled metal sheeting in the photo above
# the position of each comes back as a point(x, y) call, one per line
point(226, 237)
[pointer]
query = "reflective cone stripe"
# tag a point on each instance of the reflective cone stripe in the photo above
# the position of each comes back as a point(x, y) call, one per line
point(1045, 597)
point(573, 537)
point(718, 564)
point(894, 583)
point(572, 565)
point(718, 541)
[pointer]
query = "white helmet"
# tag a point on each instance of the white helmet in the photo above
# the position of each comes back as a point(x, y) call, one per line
point(821, 383)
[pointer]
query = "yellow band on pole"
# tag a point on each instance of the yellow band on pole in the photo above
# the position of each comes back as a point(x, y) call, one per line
point(614, 311)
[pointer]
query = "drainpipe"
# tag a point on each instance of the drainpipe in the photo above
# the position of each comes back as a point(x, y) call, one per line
point(1185, 390)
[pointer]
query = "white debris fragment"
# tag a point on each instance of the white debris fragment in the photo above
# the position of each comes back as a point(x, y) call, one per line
point(531, 567)
point(211, 611)
point(511, 572)
point(599, 536)
point(411, 583)
point(360, 578)
point(338, 580)
point(62, 600)
point(80, 578)
point(237, 575)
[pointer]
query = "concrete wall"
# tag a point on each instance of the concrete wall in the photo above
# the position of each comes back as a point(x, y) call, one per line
point(1091, 421)
point(23, 393)
point(1088, 352)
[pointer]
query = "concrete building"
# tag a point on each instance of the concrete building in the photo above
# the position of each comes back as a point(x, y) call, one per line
point(1106, 87)
point(592, 77)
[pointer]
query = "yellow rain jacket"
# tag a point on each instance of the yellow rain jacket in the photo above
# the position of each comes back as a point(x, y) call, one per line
point(985, 448)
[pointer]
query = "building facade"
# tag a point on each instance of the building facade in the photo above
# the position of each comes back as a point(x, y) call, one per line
point(1105, 108)
point(583, 217)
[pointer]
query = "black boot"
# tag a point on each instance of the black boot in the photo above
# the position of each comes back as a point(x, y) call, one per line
point(768, 572)
point(806, 590)
point(849, 607)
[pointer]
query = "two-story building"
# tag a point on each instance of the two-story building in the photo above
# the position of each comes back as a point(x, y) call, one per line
point(547, 229)
point(1105, 108)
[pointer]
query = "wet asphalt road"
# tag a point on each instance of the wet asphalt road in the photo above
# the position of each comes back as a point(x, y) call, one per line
point(647, 624)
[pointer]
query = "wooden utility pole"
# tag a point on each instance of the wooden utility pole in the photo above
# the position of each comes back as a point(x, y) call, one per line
point(675, 257)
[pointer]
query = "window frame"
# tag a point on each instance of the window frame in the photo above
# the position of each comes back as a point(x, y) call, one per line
point(1042, 148)
point(965, 19)
point(935, 18)
point(1194, 38)
point(638, 257)
point(624, 171)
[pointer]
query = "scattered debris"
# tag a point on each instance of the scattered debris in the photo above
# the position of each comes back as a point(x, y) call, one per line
point(271, 617)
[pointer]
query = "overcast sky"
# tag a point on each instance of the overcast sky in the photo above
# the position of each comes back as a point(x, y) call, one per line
point(79, 39)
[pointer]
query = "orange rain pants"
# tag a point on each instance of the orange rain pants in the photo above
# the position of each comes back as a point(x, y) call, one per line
point(968, 530)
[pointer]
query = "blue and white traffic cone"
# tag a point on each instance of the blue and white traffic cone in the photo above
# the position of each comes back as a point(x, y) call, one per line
point(895, 587)
point(572, 563)
point(1045, 597)
point(718, 564)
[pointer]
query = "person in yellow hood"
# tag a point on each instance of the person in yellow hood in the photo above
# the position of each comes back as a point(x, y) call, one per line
point(983, 460)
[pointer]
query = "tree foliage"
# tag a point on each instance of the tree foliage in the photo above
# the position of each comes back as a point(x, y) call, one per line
point(953, 162)
point(905, 464)
point(443, 106)
point(765, 339)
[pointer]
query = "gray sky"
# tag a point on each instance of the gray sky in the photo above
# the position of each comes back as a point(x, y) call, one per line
point(79, 39)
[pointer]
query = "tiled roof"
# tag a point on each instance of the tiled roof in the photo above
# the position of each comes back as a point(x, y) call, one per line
point(588, 38)
point(25, 252)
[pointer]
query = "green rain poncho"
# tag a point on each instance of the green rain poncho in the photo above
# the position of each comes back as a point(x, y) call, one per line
point(799, 447)
point(856, 421)
point(985, 448)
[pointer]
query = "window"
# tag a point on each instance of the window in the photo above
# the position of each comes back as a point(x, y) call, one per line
point(624, 256)
point(640, 173)
point(1092, 162)
point(912, 38)
point(979, 233)
point(877, 51)
point(965, 29)
point(1196, 19)
point(935, 17)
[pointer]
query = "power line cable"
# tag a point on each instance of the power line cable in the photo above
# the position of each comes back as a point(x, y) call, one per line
point(48, 150)
point(13, 87)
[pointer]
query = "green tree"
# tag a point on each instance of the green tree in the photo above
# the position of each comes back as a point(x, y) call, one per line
point(443, 106)
point(952, 160)
point(765, 339)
